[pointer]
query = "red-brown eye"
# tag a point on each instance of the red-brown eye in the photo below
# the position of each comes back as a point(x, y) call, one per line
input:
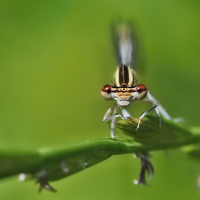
point(141, 91)
point(106, 92)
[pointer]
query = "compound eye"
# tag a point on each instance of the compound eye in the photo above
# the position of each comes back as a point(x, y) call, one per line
point(106, 92)
point(141, 91)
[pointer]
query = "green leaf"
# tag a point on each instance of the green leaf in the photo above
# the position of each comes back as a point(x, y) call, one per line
point(150, 134)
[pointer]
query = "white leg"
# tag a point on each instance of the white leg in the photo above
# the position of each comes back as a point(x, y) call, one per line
point(113, 117)
point(109, 112)
point(106, 118)
point(112, 125)
point(159, 108)
point(154, 103)
point(162, 111)
point(125, 113)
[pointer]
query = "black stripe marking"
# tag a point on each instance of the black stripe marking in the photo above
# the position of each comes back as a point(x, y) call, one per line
point(123, 75)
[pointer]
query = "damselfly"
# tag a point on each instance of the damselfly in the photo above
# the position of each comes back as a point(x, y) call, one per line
point(125, 89)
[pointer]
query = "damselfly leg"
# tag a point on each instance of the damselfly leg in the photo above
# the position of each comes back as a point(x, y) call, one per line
point(155, 104)
point(115, 107)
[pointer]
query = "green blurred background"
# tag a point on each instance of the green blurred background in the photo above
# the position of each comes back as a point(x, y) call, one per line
point(55, 56)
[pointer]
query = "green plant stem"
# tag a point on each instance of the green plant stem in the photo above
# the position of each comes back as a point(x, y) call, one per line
point(64, 160)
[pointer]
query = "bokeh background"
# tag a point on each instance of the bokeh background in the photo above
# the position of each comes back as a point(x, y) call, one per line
point(55, 56)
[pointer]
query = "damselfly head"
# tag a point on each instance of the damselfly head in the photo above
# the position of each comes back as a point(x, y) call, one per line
point(140, 92)
point(121, 95)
